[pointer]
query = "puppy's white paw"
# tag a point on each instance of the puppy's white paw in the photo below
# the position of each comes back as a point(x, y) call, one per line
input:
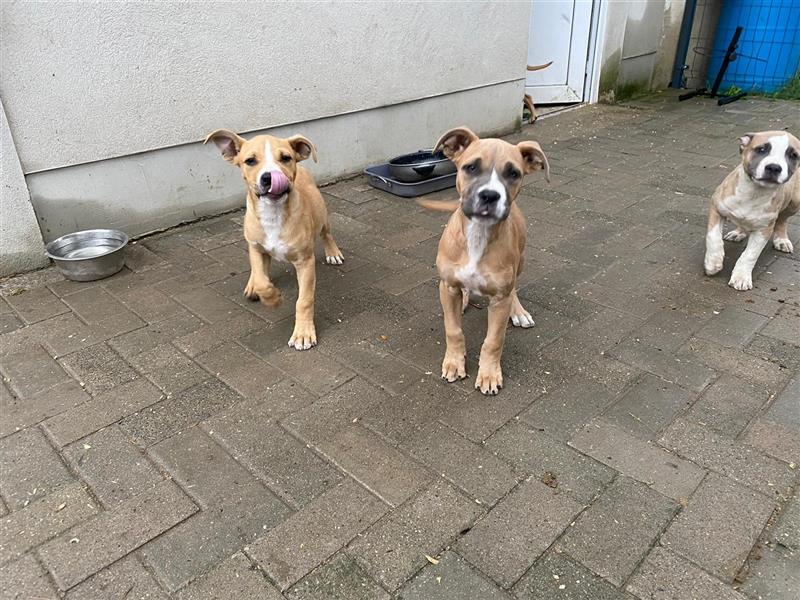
point(741, 281)
point(523, 319)
point(304, 337)
point(713, 263)
point(783, 245)
point(737, 235)
point(334, 260)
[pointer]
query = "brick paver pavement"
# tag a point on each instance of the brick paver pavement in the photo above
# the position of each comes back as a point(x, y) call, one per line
point(159, 440)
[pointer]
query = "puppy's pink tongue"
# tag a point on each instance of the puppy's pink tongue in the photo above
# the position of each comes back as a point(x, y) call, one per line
point(280, 183)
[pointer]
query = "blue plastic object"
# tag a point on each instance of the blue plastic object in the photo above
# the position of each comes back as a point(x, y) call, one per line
point(768, 56)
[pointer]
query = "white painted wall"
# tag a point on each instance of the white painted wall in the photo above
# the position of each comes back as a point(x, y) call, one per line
point(88, 81)
point(21, 246)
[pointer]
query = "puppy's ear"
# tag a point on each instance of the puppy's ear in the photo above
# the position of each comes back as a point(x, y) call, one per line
point(745, 140)
point(534, 158)
point(454, 142)
point(302, 147)
point(228, 143)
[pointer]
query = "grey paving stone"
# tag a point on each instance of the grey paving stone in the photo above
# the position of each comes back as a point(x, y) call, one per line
point(95, 305)
point(203, 468)
point(783, 354)
point(295, 547)
point(734, 362)
point(9, 323)
point(648, 406)
point(233, 579)
point(31, 371)
point(400, 417)
point(341, 578)
point(169, 369)
point(740, 462)
point(557, 577)
point(394, 548)
point(113, 534)
point(669, 329)
point(29, 468)
point(324, 418)
point(563, 411)
point(776, 575)
point(102, 410)
point(719, 526)
point(532, 452)
point(375, 364)
point(19, 413)
point(666, 576)
point(379, 467)
point(465, 464)
point(99, 368)
point(177, 326)
point(25, 579)
point(677, 369)
point(322, 375)
point(639, 459)
point(785, 326)
point(241, 370)
point(733, 327)
point(184, 409)
point(451, 579)
point(208, 337)
point(207, 304)
point(114, 468)
point(150, 304)
point(126, 578)
point(517, 531)
point(36, 304)
point(615, 532)
point(288, 467)
point(26, 528)
point(219, 530)
point(728, 405)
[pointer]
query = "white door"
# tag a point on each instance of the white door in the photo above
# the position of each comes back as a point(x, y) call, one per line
point(559, 32)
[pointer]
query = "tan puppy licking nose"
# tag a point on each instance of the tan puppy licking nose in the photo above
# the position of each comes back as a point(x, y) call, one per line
point(759, 196)
point(285, 212)
point(481, 249)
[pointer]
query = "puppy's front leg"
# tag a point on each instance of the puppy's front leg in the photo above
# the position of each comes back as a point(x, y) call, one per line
point(259, 286)
point(715, 247)
point(490, 374)
point(305, 334)
point(742, 276)
point(453, 366)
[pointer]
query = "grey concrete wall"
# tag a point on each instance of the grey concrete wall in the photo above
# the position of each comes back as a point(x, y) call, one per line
point(151, 190)
point(88, 81)
point(639, 46)
point(21, 247)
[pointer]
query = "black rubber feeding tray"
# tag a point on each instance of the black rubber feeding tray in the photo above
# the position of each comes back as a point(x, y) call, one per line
point(380, 176)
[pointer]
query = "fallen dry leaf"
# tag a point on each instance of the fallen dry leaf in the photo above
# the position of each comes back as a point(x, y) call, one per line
point(433, 561)
point(549, 479)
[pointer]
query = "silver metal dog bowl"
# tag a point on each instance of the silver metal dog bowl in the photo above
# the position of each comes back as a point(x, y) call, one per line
point(420, 165)
point(89, 255)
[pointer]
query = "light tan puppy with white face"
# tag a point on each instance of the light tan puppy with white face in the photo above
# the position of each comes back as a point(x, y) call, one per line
point(759, 196)
point(481, 249)
point(285, 212)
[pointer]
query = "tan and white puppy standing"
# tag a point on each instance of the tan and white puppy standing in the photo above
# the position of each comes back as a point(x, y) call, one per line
point(481, 249)
point(759, 196)
point(285, 213)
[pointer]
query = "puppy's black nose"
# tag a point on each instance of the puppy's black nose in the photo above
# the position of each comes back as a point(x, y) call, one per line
point(266, 180)
point(488, 196)
point(773, 169)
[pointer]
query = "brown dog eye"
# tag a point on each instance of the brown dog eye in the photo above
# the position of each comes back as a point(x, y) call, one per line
point(285, 158)
point(472, 168)
point(793, 155)
point(251, 162)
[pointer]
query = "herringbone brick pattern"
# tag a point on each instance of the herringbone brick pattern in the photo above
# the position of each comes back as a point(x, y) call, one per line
point(159, 440)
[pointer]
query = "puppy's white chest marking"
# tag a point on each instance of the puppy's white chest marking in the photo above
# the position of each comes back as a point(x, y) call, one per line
point(469, 276)
point(270, 214)
point(750, 207)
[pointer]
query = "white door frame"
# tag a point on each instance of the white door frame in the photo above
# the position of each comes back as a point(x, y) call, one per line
point(597, 36)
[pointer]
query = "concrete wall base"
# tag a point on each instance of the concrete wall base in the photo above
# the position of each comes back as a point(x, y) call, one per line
point(153, 190)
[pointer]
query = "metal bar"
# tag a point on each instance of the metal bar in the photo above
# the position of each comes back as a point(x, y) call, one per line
point(683, 43)
point(730, 56)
